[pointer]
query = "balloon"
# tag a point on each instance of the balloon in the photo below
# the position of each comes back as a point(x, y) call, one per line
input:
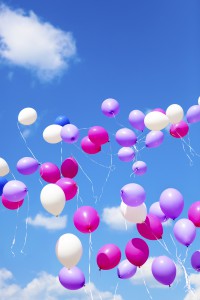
point(126, 270)
point(171, 203)
point(194, 213)
point(11, 205)
point(49, 172)
point(62, 121)
point(199, 100)
point(108, 257)
point(69, 133)
point(175, 113)
point(68, 186)
point(135, 214)
point(184, 231)
point(126, 154)
point(164, 270)
point(27, 165)
point(154, 139)
point(179, 130)
point(52, 198)
point(4, 168)
point(136, 119)
point(52, 134)
point(98, 135)
point(69, 250)
point(110, 107)
point(151, 229)
point(125, 137)
point(160, 110)
point(133, 194)
point(193, 114)
point(3, 181)
point(14, 190)
point(86, 219)
point(137, 251)
point(72, 279)
point(27, 116)
point(89, 147)
point(156, 120)
point(139, 168)
point(195, 260)
point(69, 167)
point(157, 211)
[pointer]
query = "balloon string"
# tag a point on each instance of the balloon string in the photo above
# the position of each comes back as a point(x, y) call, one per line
point(116, 121)
point(14, 238)
point(188, 156)
point(12, 175)
point(41, 182)
point(89, 268)
point(25, 141)
point(61, 153)
point(117, 285)
point(148, 292)
point(26, 234)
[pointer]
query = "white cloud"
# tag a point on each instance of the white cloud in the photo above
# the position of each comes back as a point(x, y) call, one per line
point(113, 218)
point(47, 287)
point(49, 223)
point(194, 293)
point(28, 42)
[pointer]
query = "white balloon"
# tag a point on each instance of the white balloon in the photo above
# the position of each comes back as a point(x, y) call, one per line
point(134, 214)
point(69, 250)
point(175, 113)
point(155, 120)
point(51, 134)
point(27, 116)
point(4, 168)
point(53, 199)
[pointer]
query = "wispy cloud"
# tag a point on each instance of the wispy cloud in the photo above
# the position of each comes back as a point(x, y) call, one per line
point(194, 292)
point(49, 223)
point(112, 216)
point(28, 42)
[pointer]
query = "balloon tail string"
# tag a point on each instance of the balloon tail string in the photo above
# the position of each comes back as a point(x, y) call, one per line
point(116, 288)
point(13, 175)
point(26, 234)
point(41, 182)
point(148, 292)
point(188, 156)
point(125, 223)
point(25, 141)
point(116, 121)
point(89, 267)
point(14, 238)
point(61, 152)
point(165, 246)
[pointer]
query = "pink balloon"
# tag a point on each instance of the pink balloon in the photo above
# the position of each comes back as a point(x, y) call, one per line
point(89, 147)
point(11, 205)
point(69, 167)
point(194, 213)
point(86, 219)
point(137, 251)
point(160, 110)
point(68, 186)
point(151, 229)
point(179, 130)
point(50, 172)
point(98, 135)
point(108, 257)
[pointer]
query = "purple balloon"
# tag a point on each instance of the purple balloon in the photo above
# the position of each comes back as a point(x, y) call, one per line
point(14, 190)
point(27, 165)
point(125, 137)
point(69, 133)
point(157, 211)
point(154, 139)
point(139, 167)
point(110, 107)
point(72, 279)
point(126, 270)
point(195, 260)
point(160, 110)
point(193, 114)
point(164, 270)
point(171, 203)
point(133, 194)
point(184, 231)
point(126, 154)
point(136, 119)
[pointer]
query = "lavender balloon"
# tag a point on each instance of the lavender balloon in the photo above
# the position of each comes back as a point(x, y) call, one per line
point(184, 231)
point(126, 270)
point(72, 279)
point(125, 137)
point(139, 167)
point(15, 190)
point(164, 270)
point(126, 154)
point(133, 194)
point(193, 114)
point(110, 107)
point(69, 133)
point(27, 165)
point(136, 119)
point(171, 203)
point(154, 139)
point(157, 211)
point(195, 260)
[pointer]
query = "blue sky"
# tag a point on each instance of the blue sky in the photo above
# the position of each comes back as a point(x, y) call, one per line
point(145, 54)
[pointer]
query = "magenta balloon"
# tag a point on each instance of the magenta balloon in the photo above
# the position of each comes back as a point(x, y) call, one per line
point(139, 168)
point(108, 257)
point(69, 167)
point(137, 251)
point(171, 203)
point(98, 135)
point(125, 137)
point(89, 147)
point(126, 270)
point(160, 110)
point(110, 107)
point(195, 260)
point(154, 139)
point(164, 270)
point(126, 154)
point(27, 165)
point(71, 279)
point(49, 172)
point(157, 211)
point(179, 130)
point(68, 186)
point(184, 231)
point(133, 194)
point(194, 213)
point(193, 114)
point(69, 133)
point(151, 228)
point(136, 119)
point(86, 219)
point(15, 190)
point(10, 204)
